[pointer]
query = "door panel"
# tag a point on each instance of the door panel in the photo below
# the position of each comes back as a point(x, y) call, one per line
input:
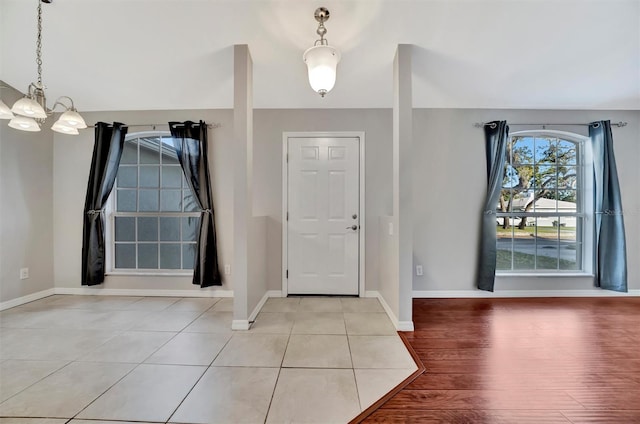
point(323, 197)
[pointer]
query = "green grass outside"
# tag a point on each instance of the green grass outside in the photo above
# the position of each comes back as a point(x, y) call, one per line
point(566, 233)
point(525, 261)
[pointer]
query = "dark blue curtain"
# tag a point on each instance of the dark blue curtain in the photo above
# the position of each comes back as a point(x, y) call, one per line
point(611, 255)
point(107, 151)
point(190, 141)
point(496, 135)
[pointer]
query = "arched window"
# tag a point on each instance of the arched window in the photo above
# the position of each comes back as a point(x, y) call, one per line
point(544, 216)
point(153, 215)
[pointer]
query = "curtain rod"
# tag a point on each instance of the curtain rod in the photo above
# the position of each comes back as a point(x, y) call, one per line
point(492, 125)
point(210, 126)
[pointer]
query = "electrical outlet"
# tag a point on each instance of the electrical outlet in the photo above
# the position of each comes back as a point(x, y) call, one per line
point(419, 270)
point(227, 269)
point(24, 273)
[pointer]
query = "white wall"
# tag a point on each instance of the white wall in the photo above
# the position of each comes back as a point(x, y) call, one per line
point(268, 129)
point(26, 202)
point(72, 158)
point(450, 184)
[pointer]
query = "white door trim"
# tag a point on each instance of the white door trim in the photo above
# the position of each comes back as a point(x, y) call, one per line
point(285, 201)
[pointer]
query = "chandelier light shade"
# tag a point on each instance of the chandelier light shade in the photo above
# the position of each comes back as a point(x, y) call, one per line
point(28, 107)
point(322, 59)
point(23, 123)
point(28, 113)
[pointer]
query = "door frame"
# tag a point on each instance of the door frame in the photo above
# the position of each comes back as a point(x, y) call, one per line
point(361, 203)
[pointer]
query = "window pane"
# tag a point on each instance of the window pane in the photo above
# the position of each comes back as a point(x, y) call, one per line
point(567, 177)
point(546, 202)
point(125, 228)
point(169, 151)
point(150, 176)
point(504, 245)
point(128, 176)
point(522, 177)
point(567, 152)
point(130, 152)
point(190, 202)
point(569, 247)
point(188, 255)
point(170, 229)
point(547, 242)
point(148, 200)
point(170, 200)
point(171, 177)
point(126, 200)
point(149, 150)
point(544, 177)
point(520, 151)
point(170, 256)
point(545, 151)
point(524, 248)
point(125, 255)
point(148, 229)
point(147, 256)
point(190, 226)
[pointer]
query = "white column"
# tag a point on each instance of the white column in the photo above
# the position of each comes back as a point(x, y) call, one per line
point(242, 180)
point(403, 181)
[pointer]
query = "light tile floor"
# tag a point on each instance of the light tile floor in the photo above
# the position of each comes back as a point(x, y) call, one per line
point(98, 359)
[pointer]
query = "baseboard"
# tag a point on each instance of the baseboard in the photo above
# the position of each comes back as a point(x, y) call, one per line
point(267, 295)
point(143, 292)
point(400, 325)
point(240, 324)
point(438, 294)
point(26, 299)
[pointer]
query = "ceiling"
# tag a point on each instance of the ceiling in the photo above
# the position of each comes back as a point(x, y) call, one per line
point(177, 54)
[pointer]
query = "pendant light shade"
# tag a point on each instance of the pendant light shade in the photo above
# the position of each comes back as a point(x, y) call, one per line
point(322, 59)
point(5, 112)
point(23, 123)
point(322, 63)
point(72, 118)
point(61, 128)
point(29, 107)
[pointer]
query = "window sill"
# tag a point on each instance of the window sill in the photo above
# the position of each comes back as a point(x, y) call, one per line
point(149, 274)
point(546, 275)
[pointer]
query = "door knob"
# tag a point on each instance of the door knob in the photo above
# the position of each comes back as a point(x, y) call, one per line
point(353, 227)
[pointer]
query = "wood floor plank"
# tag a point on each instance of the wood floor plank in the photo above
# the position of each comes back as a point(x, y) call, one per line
point(603, 417)
point(545, 360)
point(467, 417)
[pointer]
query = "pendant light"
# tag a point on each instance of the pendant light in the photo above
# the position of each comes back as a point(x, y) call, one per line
point(322, 59)
point(28, 113)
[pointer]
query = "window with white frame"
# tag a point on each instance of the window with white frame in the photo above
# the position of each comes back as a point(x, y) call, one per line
point(154, 216)
point(544, 216)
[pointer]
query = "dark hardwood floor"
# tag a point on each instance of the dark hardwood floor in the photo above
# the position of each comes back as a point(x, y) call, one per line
point(543, 360)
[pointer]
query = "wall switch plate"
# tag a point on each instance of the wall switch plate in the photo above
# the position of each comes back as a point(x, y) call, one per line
point(419, 270)
point(227, 269)
point(391, 228)
point(24, 273)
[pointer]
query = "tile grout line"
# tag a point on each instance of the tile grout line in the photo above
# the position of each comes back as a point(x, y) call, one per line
point(281, 363)
point(51, 373)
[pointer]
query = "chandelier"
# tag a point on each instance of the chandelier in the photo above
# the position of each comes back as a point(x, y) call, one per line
point(28, 113)
point(322, 59)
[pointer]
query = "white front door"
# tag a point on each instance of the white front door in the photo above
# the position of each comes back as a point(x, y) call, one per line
point(323, 215)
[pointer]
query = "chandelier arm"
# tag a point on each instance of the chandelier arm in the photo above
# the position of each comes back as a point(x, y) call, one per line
point(59, 102)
